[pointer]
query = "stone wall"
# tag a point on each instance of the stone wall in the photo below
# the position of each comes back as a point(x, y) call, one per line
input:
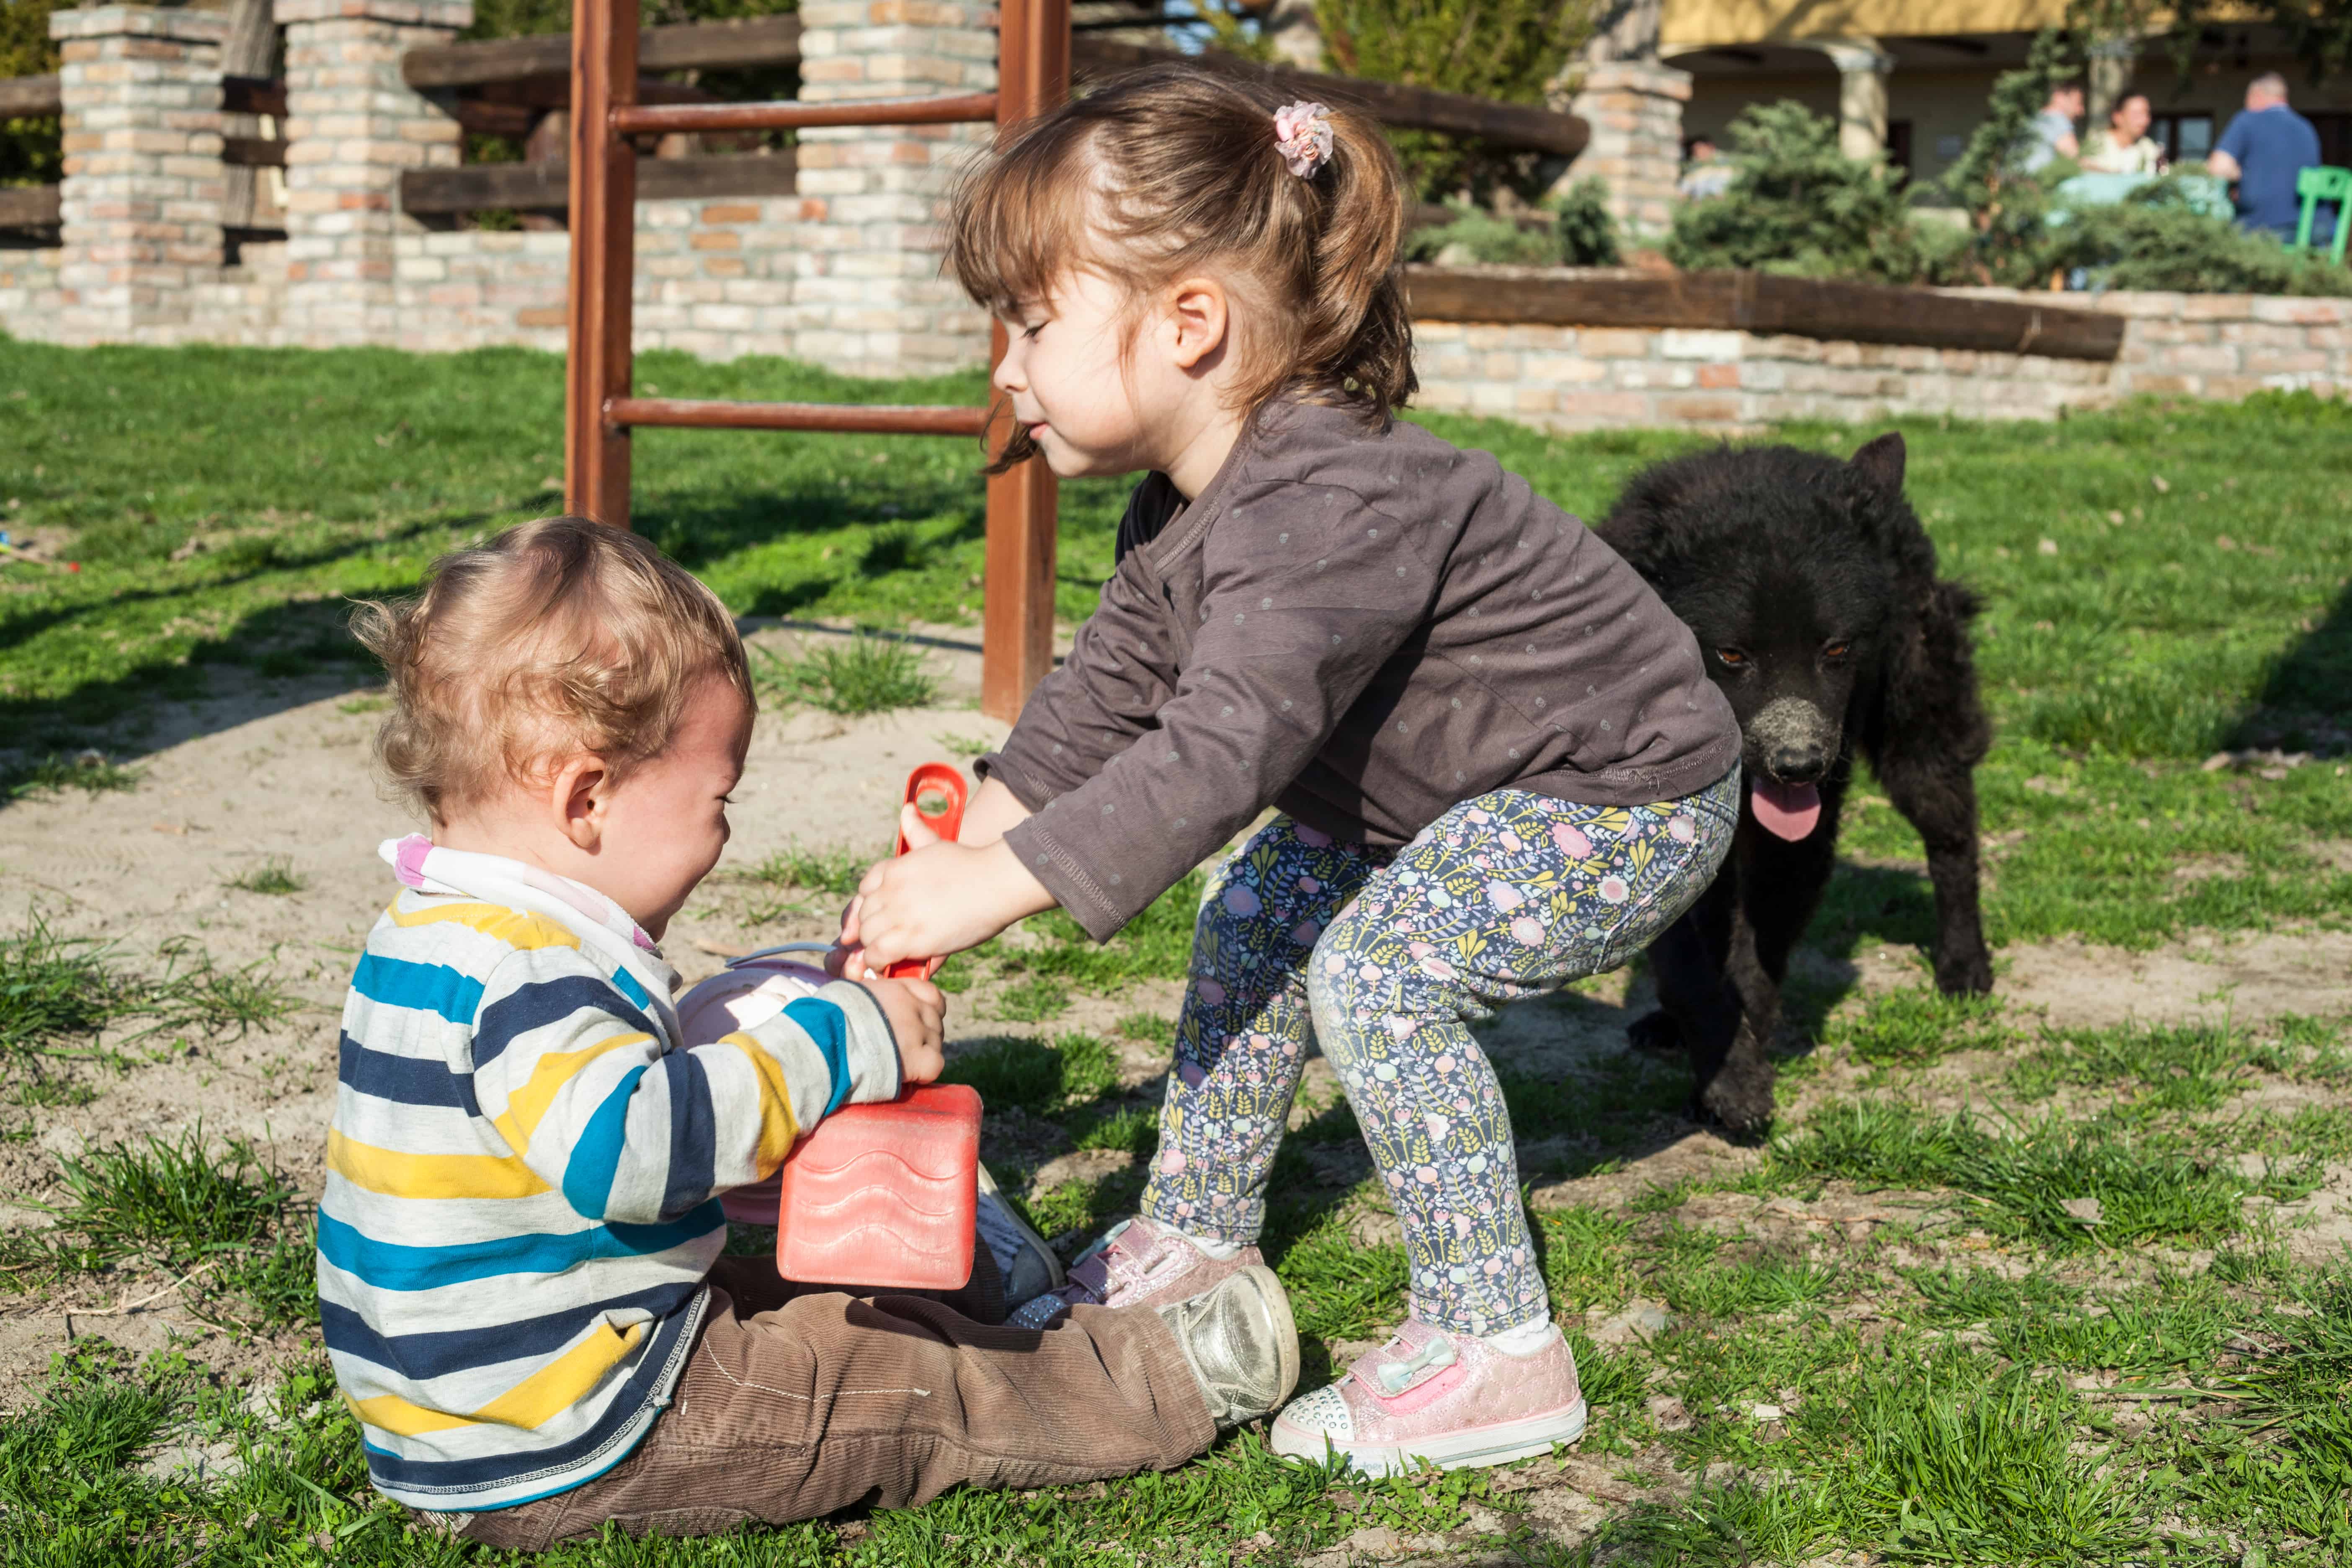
point(2219, 346)
point(845, 273)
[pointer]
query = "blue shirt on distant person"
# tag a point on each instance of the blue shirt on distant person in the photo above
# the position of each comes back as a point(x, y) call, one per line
point(2271, 144)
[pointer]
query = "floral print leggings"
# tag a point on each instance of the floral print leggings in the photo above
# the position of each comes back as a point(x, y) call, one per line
point(1503, 896)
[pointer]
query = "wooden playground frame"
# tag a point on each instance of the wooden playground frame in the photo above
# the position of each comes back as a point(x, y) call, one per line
point(600, 410)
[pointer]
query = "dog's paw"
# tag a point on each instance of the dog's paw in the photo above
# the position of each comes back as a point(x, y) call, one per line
point(1740, 1096)
point(1965, 973)
point(1654, 1034)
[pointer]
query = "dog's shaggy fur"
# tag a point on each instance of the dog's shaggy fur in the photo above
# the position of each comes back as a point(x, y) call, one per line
point(1812, 588)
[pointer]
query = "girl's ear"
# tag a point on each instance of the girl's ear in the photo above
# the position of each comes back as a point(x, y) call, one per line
point(576, 796)
point(1197, 321)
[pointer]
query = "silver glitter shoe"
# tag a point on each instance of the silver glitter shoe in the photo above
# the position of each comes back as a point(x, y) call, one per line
point(1027, 1264)
point(1241, 1343)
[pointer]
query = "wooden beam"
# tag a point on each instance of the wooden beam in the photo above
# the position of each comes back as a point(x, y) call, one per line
point(254, 95)
point(664, 118)
point(1023, 502)
point(767, 41)
point(856, 418)
point(1392, 103)
point(604, 190)
point(546, 188)
point(252, 152)
point(30, 96)
point(28, 207)
point(1761, 303)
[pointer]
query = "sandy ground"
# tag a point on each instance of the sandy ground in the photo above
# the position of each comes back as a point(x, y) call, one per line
point(279, 771)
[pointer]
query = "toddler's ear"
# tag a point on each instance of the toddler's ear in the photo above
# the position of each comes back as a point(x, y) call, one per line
point(576, 798)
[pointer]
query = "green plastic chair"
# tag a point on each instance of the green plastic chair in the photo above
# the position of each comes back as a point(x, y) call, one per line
point(2321, 183)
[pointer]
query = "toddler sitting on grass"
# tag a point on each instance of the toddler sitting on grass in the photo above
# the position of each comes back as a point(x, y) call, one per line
point(519, 1269)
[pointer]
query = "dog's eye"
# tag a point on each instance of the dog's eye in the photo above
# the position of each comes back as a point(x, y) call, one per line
point(1837, 650)
point(1731, 656)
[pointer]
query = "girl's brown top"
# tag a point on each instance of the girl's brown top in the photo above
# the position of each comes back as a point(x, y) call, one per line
point(1363, 627)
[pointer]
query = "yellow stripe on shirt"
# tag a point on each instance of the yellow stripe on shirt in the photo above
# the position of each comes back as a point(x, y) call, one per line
point(778, 1126)
point(530, 1405)
point(547, 1075)
point(517, 928)
point(400, 1175)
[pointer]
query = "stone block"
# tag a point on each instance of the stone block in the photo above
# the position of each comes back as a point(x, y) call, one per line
point(1676, 342)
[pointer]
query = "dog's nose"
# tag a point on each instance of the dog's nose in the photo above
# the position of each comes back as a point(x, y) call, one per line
point(1801, 762)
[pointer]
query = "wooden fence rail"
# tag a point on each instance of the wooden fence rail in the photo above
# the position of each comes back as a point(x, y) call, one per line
point(534, 71)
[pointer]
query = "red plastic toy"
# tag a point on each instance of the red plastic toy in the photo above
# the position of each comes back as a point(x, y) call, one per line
point(877, 1195)
point(936, 791)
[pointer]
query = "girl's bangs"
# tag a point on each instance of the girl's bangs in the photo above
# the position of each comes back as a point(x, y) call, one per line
point(1018, 225)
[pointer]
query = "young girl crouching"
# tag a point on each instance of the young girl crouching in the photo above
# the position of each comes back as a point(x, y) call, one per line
point(1498, 763)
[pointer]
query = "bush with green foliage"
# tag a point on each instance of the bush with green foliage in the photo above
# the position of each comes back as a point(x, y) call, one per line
point(1504, 49)
point(2155, 240)
point(29, 148)
point(1796, 204)
point(1588, 230)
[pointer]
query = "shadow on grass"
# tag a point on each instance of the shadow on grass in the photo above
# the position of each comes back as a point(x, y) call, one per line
point(2307, 703)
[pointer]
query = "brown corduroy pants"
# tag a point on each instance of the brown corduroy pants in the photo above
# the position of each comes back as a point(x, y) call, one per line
point(798, 1401)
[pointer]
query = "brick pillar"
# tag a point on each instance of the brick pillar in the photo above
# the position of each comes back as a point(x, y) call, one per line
point(868, 296)
point(351, 126)
point(1635, 109)
point(141, 204)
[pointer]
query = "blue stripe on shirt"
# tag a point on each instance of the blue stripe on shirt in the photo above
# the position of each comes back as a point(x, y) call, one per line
point(405, 1080)
point(427, 988)
point(596, 1153)
point(389, 1266)
point(422, 1357)
point(830, 1030)
point(629, 986)
point(693, 1134)
point(545, 1002)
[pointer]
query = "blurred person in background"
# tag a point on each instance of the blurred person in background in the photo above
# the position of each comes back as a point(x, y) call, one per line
point(2125, 147)
point(2265, 150)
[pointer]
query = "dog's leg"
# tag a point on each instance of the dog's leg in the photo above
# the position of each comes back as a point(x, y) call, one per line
point(1939, 796)
point(1781, 888)
point(1928, 738)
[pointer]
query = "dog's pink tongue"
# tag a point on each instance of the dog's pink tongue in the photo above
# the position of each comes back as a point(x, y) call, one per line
point(1785, 810)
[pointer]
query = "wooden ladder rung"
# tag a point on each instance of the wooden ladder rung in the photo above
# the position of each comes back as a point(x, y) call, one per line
point(651, 118)
point(854, 418)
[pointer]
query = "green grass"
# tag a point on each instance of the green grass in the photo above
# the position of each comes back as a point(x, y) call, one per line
point(863, 675)
point(1942, 1379)
point(273, 879)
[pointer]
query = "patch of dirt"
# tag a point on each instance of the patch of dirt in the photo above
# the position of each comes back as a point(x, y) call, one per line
point(2205, 978)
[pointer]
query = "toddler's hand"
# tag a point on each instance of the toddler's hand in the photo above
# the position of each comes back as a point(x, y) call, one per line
point(917, 1015)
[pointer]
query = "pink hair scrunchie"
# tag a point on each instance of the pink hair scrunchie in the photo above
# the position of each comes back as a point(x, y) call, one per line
point(1302, 135)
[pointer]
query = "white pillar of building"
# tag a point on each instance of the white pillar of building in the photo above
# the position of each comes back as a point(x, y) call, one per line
point(1862, 68)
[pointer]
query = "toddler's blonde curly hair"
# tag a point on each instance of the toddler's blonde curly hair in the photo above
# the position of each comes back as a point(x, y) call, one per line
point(556, 637)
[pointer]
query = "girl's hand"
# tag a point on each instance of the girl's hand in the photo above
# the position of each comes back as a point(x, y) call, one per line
point(937, 899)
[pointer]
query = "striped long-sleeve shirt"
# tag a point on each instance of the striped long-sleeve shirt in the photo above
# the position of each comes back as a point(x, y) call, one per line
point(522, 1171)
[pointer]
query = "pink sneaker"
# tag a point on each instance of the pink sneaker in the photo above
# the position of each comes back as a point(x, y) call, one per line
point(1138, 1263)
point(1452, 1400)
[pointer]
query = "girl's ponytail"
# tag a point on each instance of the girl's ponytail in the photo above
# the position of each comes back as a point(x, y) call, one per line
point(1358, 331)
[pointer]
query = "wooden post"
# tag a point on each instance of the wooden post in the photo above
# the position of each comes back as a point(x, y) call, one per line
point(603, 256)
point(1033, 74)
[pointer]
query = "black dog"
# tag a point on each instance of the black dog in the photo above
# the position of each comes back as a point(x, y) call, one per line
point(1812, 588)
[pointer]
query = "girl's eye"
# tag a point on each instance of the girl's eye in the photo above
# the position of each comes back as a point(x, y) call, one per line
point(1032, 332)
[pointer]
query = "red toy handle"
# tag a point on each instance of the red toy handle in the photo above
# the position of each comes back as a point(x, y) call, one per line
point(936, 791)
